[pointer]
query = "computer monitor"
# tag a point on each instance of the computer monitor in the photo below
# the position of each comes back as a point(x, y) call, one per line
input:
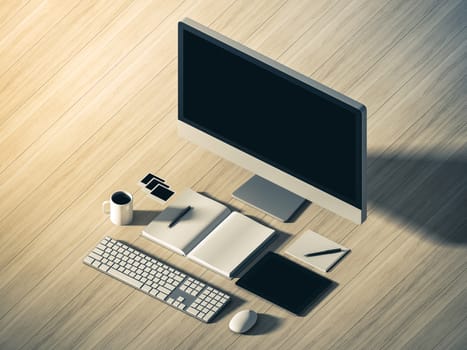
point(301, 139)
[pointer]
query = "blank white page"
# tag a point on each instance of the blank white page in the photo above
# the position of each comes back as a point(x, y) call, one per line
point(230, 243)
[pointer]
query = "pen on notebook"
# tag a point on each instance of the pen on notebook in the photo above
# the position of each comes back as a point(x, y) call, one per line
point(323, 252)
point(179, 216)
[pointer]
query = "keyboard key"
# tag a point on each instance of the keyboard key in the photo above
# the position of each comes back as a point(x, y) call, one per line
point(163, 290)
point(95, 256)
point(104, 267)
point(98, 251)
point(101, 246)
point(192, 311)
point(124, 278)
point(161, 296)
point(208, 316)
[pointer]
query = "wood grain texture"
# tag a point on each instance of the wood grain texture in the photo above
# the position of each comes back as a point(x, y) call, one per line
point(89, 105)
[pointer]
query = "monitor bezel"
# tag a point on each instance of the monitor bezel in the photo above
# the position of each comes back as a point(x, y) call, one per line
point(256, 165)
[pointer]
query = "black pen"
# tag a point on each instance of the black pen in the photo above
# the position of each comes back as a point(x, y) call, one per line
point(323, 252)
point(179, 216)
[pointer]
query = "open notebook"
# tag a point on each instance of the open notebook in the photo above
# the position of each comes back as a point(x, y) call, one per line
point(209, 234)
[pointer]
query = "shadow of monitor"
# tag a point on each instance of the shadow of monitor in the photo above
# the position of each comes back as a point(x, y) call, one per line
point(426, 192)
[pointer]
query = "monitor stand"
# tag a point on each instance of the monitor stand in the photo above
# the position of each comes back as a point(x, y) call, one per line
point(269, 198)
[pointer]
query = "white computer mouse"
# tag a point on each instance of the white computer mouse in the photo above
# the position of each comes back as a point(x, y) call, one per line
point(243, 321)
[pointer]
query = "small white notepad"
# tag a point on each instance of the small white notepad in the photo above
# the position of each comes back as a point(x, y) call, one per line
point(310, 242)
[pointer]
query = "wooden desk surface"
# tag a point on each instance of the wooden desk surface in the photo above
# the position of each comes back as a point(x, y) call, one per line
point(88, 106)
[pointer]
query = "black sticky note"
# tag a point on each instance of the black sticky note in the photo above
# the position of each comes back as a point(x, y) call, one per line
point(153, 183)
point(162, 192)
point(149, 177)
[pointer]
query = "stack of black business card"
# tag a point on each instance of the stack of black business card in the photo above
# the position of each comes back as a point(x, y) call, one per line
point(157, 187)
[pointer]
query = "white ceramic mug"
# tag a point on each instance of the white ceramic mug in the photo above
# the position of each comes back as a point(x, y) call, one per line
point(121, 208)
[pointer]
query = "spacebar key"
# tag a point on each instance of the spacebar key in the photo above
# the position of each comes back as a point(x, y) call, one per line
point(124, 278)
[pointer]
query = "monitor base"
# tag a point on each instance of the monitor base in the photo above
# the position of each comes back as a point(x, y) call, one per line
point(269, 198)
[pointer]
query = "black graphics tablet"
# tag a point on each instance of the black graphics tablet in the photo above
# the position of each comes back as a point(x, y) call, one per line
point(285, 283)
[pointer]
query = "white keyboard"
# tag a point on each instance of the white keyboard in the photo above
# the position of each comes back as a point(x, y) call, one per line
point(157, 279)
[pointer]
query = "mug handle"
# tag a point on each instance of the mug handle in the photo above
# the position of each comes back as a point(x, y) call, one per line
point(103, 207)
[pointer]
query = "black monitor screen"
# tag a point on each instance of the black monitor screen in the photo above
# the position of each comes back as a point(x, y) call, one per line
point(270, 115)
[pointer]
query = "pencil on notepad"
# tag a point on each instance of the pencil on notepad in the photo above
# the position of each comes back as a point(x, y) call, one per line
point(323, 252)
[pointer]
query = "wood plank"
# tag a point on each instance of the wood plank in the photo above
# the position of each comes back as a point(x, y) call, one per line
point(393, 23)
point(330, 32)
point(456, 339)
point(33, 119)
point(419, 47)
point(10, 10)
point(437, 321)
point(408, 303)
point(27, 28)
point(67, 38)
point(286, 26)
